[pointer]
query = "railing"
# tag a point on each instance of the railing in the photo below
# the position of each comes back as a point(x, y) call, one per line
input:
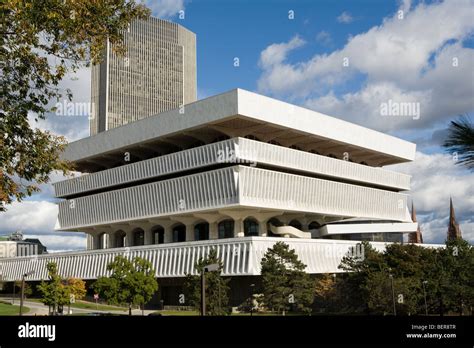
point(236, 150)
point(228, 188)
point(240, 256)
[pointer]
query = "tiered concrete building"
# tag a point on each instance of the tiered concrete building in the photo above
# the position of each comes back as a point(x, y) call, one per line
point(236, 172)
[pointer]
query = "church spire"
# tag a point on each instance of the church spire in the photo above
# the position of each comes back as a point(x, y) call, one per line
point(454, 231)
point(415, 237)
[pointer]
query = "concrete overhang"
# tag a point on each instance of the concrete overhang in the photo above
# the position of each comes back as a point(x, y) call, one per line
point(238, 113)
point(382, 227)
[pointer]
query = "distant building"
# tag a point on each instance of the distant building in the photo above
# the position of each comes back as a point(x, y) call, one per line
point(15, 245)
point(415, 237)
point(156, 74)
point(454, 231)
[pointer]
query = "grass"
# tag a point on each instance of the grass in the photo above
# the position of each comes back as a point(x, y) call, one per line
point(9, 309)
point(176, 313)
point(89, 305)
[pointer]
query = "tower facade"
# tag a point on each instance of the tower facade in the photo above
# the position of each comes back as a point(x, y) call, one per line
point(156, 74)
point(415, 237)
point(454, 231)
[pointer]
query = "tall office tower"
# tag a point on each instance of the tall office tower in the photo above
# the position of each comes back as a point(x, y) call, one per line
point(157, 73)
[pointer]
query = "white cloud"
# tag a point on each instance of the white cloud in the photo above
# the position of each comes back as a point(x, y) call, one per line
point(29, 216)
point(410, 59)
point(37, 219)
point(58, 243)
point(276, 53)
point(345, 17)
point(165, 8)
point(324, 37)
point(436, 178)
point(72, 127)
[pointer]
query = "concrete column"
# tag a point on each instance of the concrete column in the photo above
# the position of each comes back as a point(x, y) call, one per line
point(239, 227)
point(238, 216)
point(189, 231)
point(189, 223)
point(129, 238)
point(168, 234)
point(89, 241)
point(95, 241)
point(110, 240)
point(262, 219)
point(148, 236)
point(213, 232)
point(305, 224)
point(262, 228)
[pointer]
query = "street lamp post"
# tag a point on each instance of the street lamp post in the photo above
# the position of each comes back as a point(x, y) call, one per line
point(252, 286)
point(393, 295)
point(424, 282)
point(208, 268)
point(23, 290)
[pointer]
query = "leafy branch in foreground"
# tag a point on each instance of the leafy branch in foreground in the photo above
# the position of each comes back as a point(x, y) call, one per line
point(41, 42)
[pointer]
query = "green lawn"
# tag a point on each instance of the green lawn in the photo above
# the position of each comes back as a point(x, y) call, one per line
point(180, 313)
point(8, 309)
point(89, 305)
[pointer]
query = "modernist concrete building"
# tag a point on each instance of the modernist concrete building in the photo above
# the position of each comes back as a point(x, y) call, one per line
point(236, 172)
point(157, 73)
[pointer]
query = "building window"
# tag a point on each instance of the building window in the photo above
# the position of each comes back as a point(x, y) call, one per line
point(296, 224)
point(120, 239)
point(275, 222)
point(158, 235)
point(138, 237)
point(250, 227)
point(201, 231)
point(226, 229)
point(101, 244)
point(179, 233)
point(314, 225)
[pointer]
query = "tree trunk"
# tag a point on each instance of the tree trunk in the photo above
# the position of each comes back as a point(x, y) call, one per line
point(130, 309)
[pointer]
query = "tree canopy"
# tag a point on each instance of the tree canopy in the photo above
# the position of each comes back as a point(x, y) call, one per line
point(285, 283)
point(131, 282)
point(444, 275)
point(41, 41)
point(217, 289)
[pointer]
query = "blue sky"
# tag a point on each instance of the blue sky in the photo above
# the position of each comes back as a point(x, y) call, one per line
point(407, 59)
point(243, 28)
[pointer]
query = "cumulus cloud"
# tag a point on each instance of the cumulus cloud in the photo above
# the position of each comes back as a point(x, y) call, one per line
point(276, 53)
point(72, 126)
point(36, 219)
point(67, 241)
point(405, 60)
point(324, 38)
point(435, 178)
point(165, 8)
point(345, 17)
point(29, 216)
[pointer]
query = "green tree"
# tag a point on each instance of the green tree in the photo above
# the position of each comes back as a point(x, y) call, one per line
point(461, 141)
point(445, 274)
point(325, 291)
point(41, 41)
point(285, 283)
point(131, 282)
point(53, 293)
point(217, 289)
point(450, 286)
point(353, 290)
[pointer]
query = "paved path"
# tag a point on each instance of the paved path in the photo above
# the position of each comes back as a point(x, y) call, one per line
point(37, 308)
